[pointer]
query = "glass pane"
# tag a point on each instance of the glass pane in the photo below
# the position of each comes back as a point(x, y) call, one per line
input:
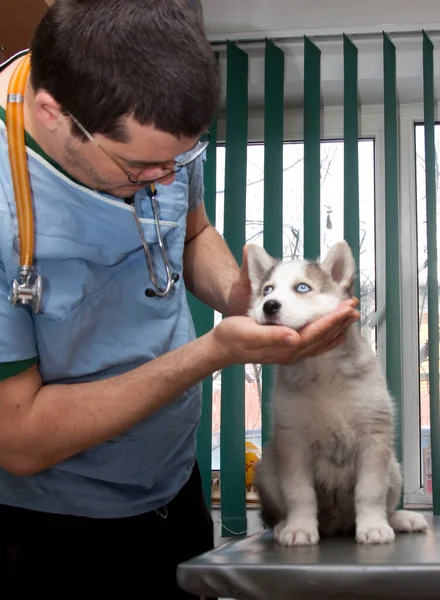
point(332, 219)
point(332, 228)
point(425, 429)
point(367, 239)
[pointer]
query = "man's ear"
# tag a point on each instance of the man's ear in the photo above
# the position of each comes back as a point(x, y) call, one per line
point(47, 110)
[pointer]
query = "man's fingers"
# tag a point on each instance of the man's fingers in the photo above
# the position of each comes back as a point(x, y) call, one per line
point(244, 256)
point(334, 344)
point(274, 335)
point(338, 319)
point(323, 327)
point(320, 334)
point(341, 328)
point(320, 347)
point(346, 324)
point(353, 302)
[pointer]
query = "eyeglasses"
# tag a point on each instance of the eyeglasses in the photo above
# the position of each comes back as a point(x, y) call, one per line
point(184, 159)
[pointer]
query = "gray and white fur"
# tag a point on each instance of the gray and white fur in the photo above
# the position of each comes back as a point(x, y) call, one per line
point(330, 466)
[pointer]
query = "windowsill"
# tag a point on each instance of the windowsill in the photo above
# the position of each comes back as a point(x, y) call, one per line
point(251, 495)
point(252, 500)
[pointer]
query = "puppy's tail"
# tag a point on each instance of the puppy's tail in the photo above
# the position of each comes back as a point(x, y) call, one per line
point(266, 483)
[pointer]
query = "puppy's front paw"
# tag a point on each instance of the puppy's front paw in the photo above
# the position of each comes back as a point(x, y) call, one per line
point(374, 532)
point(407, 521)
point(296, 534)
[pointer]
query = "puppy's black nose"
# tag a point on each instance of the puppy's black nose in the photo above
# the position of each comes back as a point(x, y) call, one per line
point(271, 307)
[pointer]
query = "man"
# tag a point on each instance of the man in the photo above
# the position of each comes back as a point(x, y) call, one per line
point(99, 391)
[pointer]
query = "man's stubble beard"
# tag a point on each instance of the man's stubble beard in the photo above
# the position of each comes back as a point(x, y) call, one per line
point(75, 164)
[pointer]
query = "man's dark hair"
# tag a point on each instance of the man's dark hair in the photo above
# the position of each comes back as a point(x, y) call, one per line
point(105, 59)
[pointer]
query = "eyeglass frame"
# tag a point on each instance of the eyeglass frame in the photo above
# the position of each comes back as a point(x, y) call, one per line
point(192, 154)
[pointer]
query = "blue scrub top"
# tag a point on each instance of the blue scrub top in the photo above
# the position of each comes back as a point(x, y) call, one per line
point(96, 322)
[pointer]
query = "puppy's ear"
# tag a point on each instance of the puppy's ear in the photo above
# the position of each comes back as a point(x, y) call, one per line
point(339, 264)
point(259, 264)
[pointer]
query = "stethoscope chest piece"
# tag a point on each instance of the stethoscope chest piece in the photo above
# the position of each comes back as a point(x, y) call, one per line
point(27, 290)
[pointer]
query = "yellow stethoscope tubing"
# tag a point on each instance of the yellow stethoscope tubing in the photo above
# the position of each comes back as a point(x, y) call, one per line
point(18, 160)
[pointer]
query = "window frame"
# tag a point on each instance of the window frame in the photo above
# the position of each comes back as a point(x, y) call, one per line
point(414, 494)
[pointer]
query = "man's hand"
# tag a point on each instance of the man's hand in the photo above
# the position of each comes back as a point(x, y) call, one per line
point(241, 340)
point(240, 293)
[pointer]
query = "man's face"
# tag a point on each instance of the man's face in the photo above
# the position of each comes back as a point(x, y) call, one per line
point(147, 155)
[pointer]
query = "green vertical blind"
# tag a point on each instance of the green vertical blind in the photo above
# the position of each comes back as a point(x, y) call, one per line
point(204, 321)
point(351, 153)
point(431, 227)
point(312, 150)
point(392, 254)
point(232, 430)
point(273, 185)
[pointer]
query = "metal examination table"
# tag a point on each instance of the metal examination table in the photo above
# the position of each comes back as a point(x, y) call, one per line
point(257, 568)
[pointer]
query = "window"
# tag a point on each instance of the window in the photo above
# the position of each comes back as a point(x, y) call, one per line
point(424, 395)
point(332, 228)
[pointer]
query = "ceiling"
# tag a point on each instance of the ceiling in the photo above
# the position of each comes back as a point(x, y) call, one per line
point(18, 19)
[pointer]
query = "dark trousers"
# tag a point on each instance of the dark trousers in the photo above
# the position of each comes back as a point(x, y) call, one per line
point(73, 558)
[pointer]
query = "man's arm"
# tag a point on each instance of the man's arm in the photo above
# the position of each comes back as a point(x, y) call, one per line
point(210, 270)
point(41, 425)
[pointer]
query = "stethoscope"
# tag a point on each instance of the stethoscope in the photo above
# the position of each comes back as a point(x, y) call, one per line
point(172, 278)
point(27, 288)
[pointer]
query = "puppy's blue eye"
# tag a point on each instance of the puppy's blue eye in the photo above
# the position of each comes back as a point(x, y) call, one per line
point(267, 290)
point(303, 288)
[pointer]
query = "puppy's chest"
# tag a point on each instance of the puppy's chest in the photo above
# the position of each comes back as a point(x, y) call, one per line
point(333, 440)
point(331, 428)
point(323, 407)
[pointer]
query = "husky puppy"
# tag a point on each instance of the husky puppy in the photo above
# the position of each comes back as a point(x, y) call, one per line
point(330, 466)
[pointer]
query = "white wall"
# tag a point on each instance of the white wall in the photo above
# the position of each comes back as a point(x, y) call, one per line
point(248, 18)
